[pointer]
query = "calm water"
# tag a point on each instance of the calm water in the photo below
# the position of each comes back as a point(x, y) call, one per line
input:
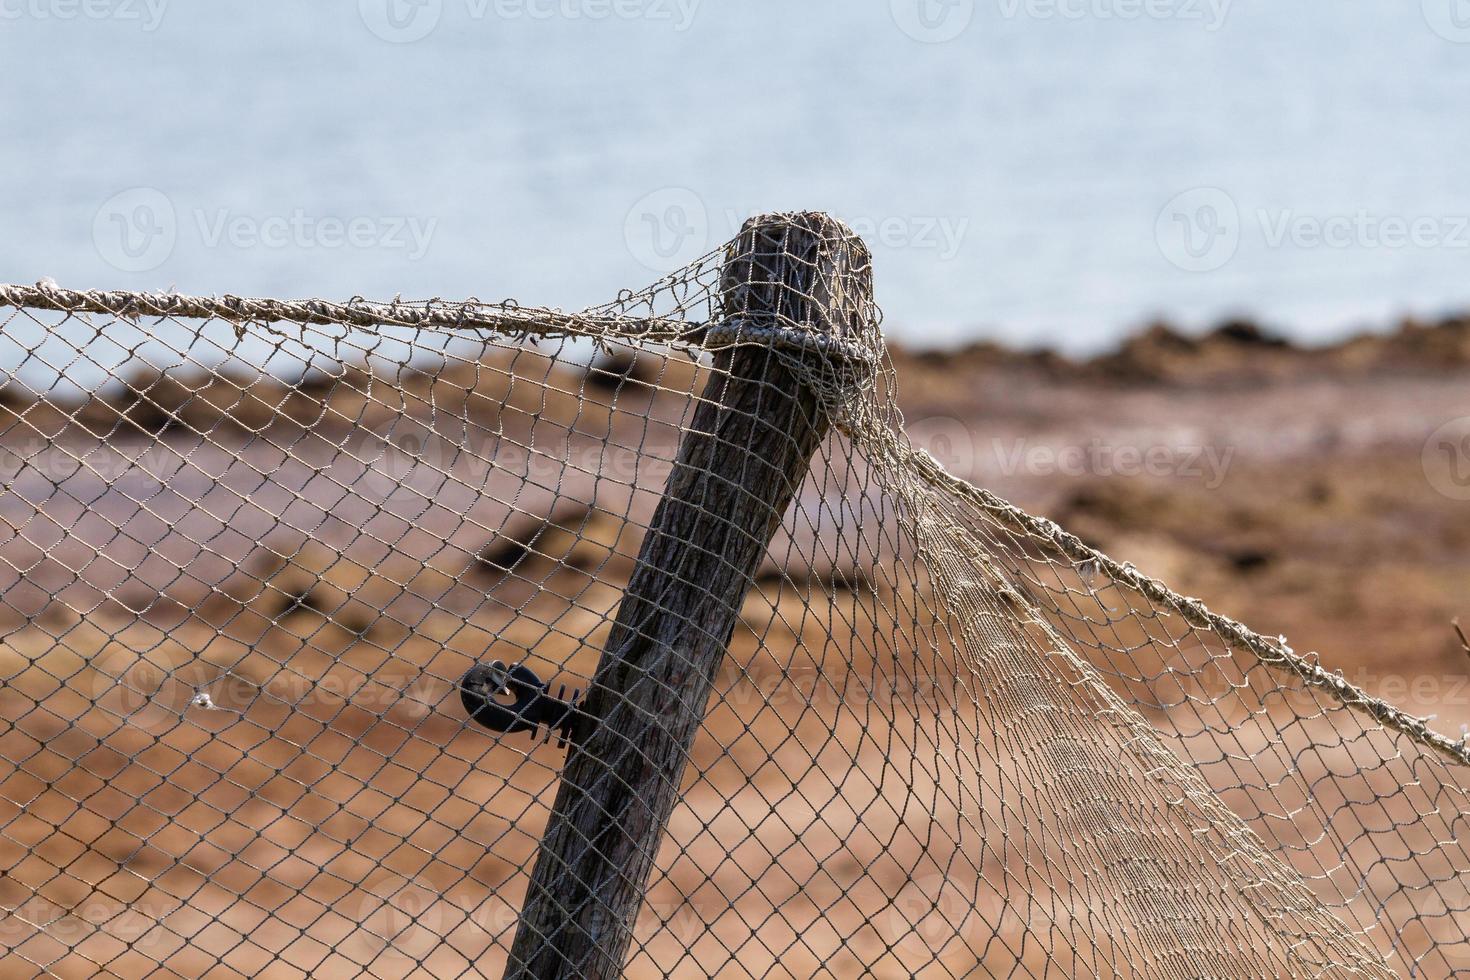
point(1021, 179)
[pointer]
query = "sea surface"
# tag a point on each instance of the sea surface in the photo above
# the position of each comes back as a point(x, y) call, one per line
point(1032, 171)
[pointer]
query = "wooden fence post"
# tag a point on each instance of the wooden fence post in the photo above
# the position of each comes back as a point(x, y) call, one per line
point(741, 461)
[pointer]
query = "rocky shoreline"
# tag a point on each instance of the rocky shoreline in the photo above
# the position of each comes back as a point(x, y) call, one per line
point(1235, 352)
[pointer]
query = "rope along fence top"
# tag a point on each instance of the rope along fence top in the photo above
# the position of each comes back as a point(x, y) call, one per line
point(466, 639)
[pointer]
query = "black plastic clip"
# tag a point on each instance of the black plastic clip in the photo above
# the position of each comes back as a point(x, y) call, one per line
point(533, 708)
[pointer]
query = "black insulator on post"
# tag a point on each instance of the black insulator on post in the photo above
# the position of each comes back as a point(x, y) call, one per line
point(533, 708)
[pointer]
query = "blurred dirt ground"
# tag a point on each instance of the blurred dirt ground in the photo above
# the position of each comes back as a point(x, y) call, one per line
point(324, 559)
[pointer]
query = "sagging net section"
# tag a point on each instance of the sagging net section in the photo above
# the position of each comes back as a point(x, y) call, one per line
point(252, 552)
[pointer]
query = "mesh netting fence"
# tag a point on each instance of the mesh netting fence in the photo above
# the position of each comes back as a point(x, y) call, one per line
point(299, 603)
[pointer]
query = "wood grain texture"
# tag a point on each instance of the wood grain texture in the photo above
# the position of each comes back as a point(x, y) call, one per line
point(739, 465)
